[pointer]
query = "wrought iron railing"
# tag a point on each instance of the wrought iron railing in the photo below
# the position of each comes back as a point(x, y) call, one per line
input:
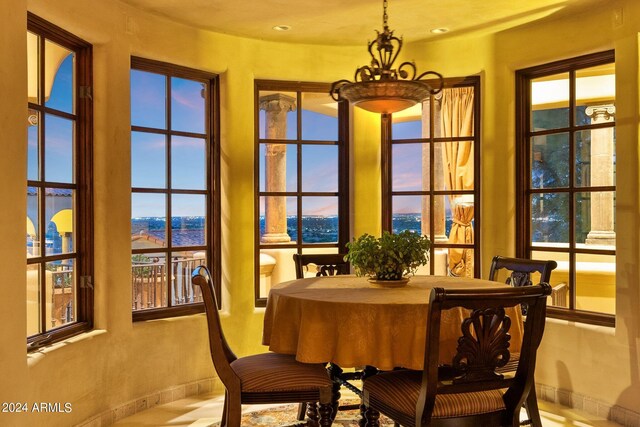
point(151, 281)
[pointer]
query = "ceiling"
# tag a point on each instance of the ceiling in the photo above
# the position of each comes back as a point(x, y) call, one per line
point(352, 22)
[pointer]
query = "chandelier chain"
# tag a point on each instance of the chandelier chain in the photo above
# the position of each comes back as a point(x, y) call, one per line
point(385, 17)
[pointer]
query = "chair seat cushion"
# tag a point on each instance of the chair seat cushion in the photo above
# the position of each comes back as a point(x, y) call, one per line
point(273, 372)
point(399, 391)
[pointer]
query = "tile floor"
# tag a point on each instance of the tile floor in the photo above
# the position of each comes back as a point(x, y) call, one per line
point(203, 410)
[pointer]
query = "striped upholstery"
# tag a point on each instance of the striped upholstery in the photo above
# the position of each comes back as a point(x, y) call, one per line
point(512, 364)
point(273, 372)
point(399, 391)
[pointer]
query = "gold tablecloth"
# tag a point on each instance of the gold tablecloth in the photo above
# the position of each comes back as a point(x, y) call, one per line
point(350, 322)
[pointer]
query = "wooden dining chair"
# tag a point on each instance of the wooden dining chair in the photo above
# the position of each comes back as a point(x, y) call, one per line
point(475, 394)
point(262, 378)
point(519, 271)
point(328, 265)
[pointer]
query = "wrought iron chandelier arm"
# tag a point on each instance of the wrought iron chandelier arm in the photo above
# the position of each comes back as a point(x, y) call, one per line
point(379, 87)
point(365, 74)
point(404, 74)
point(335, 89)
point(438, 76)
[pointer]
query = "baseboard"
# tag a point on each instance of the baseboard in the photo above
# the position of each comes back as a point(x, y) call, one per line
point(623, 416)
point(140, 404)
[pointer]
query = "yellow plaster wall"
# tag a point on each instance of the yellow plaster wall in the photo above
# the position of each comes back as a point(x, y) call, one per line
point(598, 362)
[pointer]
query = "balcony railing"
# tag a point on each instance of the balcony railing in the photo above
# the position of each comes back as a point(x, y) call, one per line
point(151, 283)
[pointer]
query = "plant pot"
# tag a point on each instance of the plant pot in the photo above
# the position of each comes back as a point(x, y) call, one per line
point(389, 283)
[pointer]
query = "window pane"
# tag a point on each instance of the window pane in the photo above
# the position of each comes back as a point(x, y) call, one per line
point(596, 283)
point(187, 105)
point(33, 299)
point(550, 161)
point(595, 87)
point(460, 262)
point(278, 219)
point(276, 266)
point(33, 146)
point(278, 116)
point(319, 168)
point(58, 151)
point(559, 280)
point(33, 65)
point(455, 161)
point(148, 160)
point(319, 219)
point(188, 163)
point(61, 293)
point(60, 221)
point(406, 128)
point(595, 220)
point(58, 77)
point(550, 102)
point(182, 265)
point(595, 157)
point(33, 223)
point(410, 167)
point(278, 167)
point(319, 117)
point(550, 219)
point(409, 212)
point(148, 99)
point(188, 220)
point(461, 211)
point(149, 277)
point(148, 220)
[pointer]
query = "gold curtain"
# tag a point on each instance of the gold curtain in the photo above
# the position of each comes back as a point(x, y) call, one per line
point(458, 163)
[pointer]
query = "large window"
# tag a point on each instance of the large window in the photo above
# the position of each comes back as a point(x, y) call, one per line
point(301, 177)
point(59, 207)
point(431, 182)
point(566, 181)
point(174, 179)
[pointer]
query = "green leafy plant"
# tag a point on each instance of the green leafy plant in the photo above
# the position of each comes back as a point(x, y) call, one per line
point(389, 257)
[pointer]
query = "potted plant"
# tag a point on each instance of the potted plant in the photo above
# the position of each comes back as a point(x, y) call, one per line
point(389, 257)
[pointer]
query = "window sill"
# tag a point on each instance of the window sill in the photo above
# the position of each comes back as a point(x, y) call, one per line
point(38, 354)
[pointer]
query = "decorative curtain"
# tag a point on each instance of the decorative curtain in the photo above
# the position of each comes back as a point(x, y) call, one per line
point(458, 164)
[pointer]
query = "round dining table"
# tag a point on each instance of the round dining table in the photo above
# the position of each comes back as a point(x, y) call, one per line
point(352, 322)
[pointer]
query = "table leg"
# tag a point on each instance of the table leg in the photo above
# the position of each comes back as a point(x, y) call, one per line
point(334, 372)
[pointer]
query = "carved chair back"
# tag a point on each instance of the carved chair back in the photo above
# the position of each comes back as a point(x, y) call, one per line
point(221, 353)
point(520, 270)
point(327, 264)
point(483, 346)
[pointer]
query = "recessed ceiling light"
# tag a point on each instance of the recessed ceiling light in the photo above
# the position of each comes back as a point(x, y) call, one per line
point(282, 27)
point(439, 30)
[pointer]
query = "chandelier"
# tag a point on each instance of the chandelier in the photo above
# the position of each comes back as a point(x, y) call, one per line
point(379, 87)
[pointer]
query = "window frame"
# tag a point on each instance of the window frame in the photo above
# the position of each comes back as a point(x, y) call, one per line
point(83, 253)
point(212, 178)
point(343, 171)
point(387, 173)
point(524, 247)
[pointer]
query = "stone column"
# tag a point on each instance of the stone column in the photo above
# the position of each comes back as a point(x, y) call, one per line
point(276, 107)
point(602, 215)
point(439, 234)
